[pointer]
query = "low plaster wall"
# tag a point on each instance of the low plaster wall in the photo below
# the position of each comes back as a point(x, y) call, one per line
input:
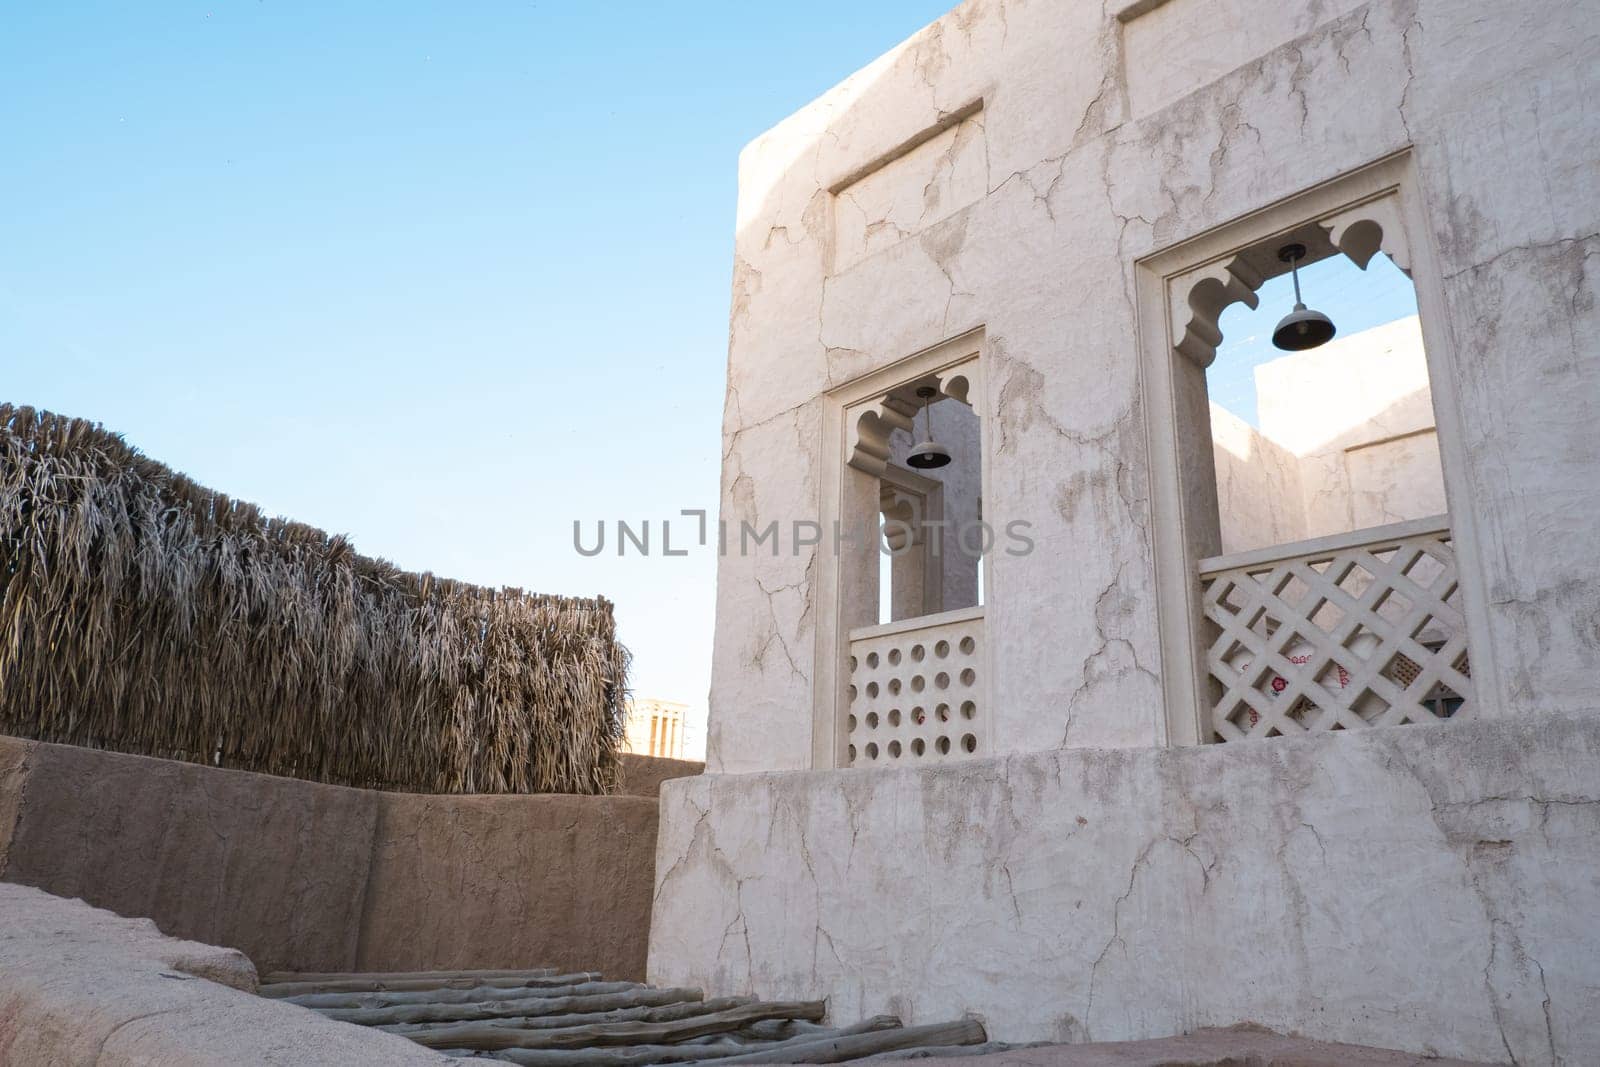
point(1434, 889)
point(302, 876)
point(83, 986)
point(467, 882)
point(642, 775)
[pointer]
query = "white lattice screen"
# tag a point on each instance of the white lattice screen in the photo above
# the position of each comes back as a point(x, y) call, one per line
point(916, 691)
point(1358, 630)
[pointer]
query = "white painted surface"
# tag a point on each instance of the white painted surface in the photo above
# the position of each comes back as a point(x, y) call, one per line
point(916, 691)
point(1496, 104)
point(1428, 888)
point(1258, 486)
point(1180, 45)
point(909, 193)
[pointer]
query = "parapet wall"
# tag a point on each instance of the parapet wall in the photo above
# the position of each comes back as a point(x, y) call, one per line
point(82, 986)
point(642, 775)
point(1431, 888)
point(302, 876)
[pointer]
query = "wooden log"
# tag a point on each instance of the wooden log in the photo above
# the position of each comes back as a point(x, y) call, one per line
point(783, 1029)
point(473, 995)
point(504, 1009)
point(625, 1056)
point(285, 990)
point(495, 1038)
point(666, 1013)
point(276, 977)
point(855, 1046)
point(643, 1055)
point(937, 1052)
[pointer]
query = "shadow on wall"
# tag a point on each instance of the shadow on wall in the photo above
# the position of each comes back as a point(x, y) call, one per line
point(1268, 495)
point(302, 876)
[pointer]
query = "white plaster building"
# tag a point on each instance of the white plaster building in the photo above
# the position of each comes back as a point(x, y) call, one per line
point(1159, 778)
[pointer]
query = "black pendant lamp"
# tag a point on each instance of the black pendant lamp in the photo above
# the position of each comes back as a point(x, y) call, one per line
point(1301, 328)
point(930, 453)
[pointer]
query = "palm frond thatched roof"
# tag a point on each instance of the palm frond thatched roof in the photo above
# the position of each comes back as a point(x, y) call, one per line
point(144, 613)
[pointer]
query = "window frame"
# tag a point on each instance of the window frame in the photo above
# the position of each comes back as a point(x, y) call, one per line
point(1181, 291)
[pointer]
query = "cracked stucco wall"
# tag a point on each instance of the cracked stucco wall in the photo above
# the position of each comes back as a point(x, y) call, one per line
point(1427, 888)
point(1432, 888)
point(1102, 141)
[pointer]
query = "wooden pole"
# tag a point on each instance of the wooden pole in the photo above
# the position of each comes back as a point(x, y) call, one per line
point(501, 1009)
point(854, 1046)
point(494, 1038)
point(273, 977)
point(378, 983)
point(643, 1055)
point(476, 994)
point(666, 1013)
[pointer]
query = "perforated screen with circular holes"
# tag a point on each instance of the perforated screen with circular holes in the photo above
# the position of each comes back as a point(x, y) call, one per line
point(916, 695)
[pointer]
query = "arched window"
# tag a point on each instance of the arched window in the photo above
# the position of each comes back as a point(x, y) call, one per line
point(1306, 549)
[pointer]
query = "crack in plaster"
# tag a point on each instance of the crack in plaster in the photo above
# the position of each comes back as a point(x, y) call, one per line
point(1102, 614)
point(1116, 932)
point(1476, 852)
point(804, 585)
point(746, 284)
point(24, 774)
point(1115, 79)
point(1531, 247)
point(1025, 176)
point(100, 1050)
point(702, 815)
point(733, 437)
point(1407, 57)
point(942, 244)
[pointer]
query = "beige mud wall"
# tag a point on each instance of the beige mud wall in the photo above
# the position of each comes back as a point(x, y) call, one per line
point(642, 775)
point(314, 877)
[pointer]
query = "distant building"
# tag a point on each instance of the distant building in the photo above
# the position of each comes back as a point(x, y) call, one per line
point(655, 728)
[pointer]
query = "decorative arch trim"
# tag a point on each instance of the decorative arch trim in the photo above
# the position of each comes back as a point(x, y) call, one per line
point(896, 409)
point(1199, 296)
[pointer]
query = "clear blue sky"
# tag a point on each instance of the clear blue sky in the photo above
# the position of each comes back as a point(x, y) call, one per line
point(440, 276)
